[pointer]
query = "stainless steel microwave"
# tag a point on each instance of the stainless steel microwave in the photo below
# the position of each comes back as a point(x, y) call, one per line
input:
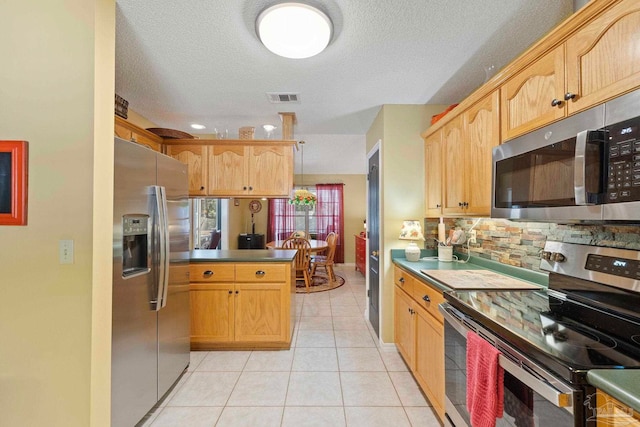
point(585, 168)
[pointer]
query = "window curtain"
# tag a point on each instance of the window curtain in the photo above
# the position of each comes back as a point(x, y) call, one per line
point(282, 221)
point(330, 215)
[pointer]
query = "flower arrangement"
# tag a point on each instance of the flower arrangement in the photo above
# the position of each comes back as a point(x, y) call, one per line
point(303, 198)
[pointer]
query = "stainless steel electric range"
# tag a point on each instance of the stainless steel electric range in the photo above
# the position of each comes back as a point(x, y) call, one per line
point(549, 339)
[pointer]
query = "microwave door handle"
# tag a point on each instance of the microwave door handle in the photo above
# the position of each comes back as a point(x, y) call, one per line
point(580, 169)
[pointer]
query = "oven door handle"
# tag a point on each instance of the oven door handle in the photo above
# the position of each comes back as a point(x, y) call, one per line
point(543, 388)
point(550, 393)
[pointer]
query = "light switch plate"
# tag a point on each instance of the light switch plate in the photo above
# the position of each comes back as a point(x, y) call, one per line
point(66, 251)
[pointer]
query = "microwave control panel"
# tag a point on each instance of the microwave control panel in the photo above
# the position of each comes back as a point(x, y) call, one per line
point(623, 177)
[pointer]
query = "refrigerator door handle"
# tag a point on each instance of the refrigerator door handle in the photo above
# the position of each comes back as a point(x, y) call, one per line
point(163, 249)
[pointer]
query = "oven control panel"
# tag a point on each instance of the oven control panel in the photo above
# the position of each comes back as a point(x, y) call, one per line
point(623, 267)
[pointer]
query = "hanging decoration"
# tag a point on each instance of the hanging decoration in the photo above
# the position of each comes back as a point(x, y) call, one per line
point(302, 196)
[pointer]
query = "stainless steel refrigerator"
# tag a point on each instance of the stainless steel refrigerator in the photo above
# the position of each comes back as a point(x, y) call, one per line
point(150, 348)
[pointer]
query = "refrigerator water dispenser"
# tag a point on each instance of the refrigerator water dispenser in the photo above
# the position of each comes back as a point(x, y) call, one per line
point(135, 245)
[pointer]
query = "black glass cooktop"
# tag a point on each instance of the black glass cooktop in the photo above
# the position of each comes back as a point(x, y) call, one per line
point(565, 334)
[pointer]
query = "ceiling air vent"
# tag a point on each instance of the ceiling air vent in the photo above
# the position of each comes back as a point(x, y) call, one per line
point(282, 98)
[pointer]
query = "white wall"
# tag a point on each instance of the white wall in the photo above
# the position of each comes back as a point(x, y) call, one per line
point(57, 90)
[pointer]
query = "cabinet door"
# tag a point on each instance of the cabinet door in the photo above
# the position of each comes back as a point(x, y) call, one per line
point(482, 133)
point(403, 326)
point(270, 170)
point(228, 170)
point(195, 157)
point(614, 413)
point(433, 175)
point(261, 312)
point(603, 58)
point(147, 141)
point(212, 313)
point(453, 156)
point(526, 100)
point(429, 365)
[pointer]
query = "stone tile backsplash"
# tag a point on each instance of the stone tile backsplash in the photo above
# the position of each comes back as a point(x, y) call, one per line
point(519, 243)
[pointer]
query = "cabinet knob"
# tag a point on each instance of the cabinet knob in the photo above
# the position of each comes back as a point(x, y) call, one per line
point(401, 280)
point(556, 103)
point(438, 206)
point(230, 291)
point(465, 204)
point(260, 273)
point(202, 187)
point(569, 95)
point(460, 204)
point(207, 274)
point(237, 292)
point(426, 298)
point(250, 188)
point(244, 188)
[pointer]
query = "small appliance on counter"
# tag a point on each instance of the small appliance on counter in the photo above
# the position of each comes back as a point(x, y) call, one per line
point(251, 241)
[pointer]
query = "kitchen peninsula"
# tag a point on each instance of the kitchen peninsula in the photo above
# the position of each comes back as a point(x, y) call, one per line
point(242, 299)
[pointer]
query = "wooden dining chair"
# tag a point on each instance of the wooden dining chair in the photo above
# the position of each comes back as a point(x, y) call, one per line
point(303, 257)
point(326, 260)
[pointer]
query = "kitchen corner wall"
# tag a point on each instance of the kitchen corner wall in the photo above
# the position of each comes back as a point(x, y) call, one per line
point(519, 243)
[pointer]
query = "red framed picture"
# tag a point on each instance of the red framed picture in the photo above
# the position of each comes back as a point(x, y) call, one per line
point(14, 157)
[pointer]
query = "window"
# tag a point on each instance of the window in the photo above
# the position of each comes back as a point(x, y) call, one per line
point(206, 215)
point(325, 217)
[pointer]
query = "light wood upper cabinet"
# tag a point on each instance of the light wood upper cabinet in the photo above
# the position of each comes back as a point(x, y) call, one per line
point(229, 170)
point(534, 97)
point(433, 175)
point(482, 134)
point(603, 57)
point(453, 159)
point(236, 168)
point(195, 157)
point(270, 170)
point(251, 170)
point(130, 132)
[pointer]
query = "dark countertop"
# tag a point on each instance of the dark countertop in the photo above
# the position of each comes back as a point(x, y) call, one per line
point(242, 255)
point(621, 384)
point(475, 263)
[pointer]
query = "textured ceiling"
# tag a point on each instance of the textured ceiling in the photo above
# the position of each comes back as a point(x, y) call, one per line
point(180, 62)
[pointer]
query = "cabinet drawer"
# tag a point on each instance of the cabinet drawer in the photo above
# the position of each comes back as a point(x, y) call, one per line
point(269, 272)
point(403, 280)
point(428, 298)
point(217, 272)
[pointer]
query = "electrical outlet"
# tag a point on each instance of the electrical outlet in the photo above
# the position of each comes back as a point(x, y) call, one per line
point(66, 251)
point(472, 236)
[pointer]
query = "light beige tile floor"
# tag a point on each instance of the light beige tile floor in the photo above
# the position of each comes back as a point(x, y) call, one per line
point(335, 374)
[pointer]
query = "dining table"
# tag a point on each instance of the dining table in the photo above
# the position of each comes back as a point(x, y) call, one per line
point(317, 246)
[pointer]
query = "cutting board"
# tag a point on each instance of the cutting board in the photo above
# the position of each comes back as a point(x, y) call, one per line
point(477, 279)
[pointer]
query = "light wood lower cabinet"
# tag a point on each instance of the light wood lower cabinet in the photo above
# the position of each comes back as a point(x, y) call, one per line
point(242, 305)
point(612, 412)
point(419, 334)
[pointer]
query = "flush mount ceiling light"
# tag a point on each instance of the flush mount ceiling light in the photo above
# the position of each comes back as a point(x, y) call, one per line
point(197, 126)
point(294, 30)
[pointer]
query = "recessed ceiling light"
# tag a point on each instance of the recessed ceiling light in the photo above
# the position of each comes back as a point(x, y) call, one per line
point(197, 126)
point(294, 30)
